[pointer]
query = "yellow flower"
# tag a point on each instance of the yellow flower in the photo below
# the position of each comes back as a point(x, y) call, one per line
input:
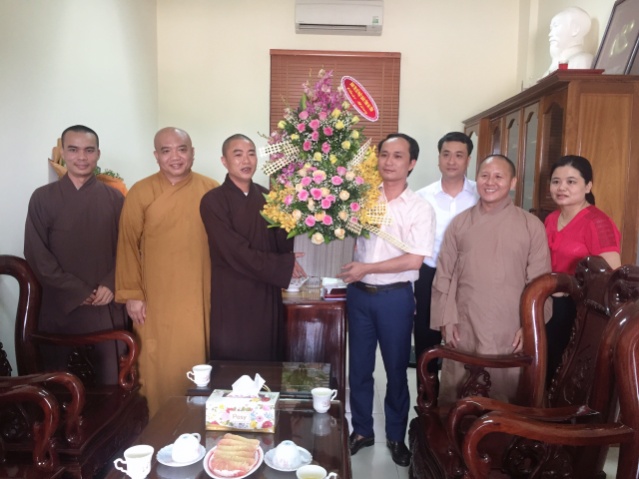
point(317, 156)
point(346, 145)
point(333, 159)
point(296, 214)
point(343, 215)
point(325, 192)
point(355, 119)
point(346, 105)
point(317, 238)
point(336, 113)
point(339, 125)
point(302, 172)
point(339, 233)
point(311, 205)
point(344, 195)
point(295, 136)
point(319, 216)
point(299, 187)
point(355, 134)
point(281, 124)
point(272, 195)
point(350, 176)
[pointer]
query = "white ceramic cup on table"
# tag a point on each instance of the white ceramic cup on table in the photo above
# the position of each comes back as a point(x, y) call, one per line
point(137, 460)
point(322, 398)
point(200, 375)
point(186, 448)
point(313, 472)
point(287, 455)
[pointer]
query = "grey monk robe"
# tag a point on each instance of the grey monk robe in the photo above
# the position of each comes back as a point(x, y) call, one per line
point(70, 243)
point(486, 260)
point(250, 264)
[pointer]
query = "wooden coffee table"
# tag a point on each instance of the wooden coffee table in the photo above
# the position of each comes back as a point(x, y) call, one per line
point(291, 380)
point(325, 436)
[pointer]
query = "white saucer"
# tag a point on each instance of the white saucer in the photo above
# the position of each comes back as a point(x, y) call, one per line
point(305, 457)
point(165, 456)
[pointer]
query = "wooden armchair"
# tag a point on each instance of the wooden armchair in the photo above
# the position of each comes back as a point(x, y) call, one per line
point(96, 420)
point(572, 441)
point(436, 437)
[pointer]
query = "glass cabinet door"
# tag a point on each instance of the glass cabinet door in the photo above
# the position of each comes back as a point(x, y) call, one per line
point(530, 129)
point(511, 149)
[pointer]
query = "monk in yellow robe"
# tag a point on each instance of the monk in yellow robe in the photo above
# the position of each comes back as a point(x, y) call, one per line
point(163, 268)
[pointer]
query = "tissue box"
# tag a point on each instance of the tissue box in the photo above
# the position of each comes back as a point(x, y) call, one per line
point(241, 413)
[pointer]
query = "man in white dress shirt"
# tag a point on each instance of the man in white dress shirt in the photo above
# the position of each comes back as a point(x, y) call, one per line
point(449, 196)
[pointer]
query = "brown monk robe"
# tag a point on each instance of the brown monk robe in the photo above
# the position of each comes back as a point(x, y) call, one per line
point(70, 243)
point(250, 264)
point(486, 260)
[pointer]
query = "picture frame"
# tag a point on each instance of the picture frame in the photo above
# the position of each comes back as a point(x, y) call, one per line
point(618, 48)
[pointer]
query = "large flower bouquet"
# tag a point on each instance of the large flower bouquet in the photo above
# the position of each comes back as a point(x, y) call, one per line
point(325, 174)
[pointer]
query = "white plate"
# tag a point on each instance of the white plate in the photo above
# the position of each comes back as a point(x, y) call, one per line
point(305, 456)
point(165, 456)
point(259, 457)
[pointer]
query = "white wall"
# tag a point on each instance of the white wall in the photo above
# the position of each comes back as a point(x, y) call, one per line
point(126, 68)
point(214, 66)
point(63, 63)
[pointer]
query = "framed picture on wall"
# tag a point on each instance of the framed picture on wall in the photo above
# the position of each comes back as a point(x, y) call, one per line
point(618, 49)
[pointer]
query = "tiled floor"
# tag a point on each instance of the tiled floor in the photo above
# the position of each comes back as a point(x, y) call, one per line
point(376, 463)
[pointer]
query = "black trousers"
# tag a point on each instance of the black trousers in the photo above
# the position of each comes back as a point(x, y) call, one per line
point(558, 331)
point(425, 338)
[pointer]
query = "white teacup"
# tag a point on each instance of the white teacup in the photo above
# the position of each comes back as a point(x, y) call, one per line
point(313, 472)
point(137, 460)
point(322, 398)
point(186, 448)
point(200, 375)
point(287, 455)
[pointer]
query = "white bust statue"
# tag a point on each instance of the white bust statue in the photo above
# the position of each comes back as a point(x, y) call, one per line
point(567, 31)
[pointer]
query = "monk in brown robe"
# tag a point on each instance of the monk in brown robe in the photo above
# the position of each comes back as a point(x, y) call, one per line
point(489, 254)
point(70, 241)
point(251, 263)
point(163, 268)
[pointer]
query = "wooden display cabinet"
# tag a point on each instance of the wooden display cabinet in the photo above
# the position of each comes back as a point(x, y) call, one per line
point(574, 112)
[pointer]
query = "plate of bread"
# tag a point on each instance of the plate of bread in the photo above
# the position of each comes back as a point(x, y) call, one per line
point(233, 457)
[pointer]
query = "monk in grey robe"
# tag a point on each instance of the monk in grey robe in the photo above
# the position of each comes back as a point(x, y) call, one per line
point(489, 254)
point(250, 263)
point(70, 243)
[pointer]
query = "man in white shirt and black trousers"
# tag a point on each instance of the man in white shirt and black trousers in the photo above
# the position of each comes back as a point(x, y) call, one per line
point(380, 299)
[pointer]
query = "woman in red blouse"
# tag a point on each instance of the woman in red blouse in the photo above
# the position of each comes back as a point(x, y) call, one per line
point(576, 230)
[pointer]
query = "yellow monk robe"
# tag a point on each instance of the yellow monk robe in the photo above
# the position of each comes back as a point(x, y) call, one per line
point(163, 259)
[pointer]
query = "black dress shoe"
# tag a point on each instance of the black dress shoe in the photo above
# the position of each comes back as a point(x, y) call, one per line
point(399, 452)
point(356, 442)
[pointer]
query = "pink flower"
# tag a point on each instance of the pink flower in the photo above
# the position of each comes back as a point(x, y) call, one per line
point(314, 124)
point(359, 180)
point(288, 200)
point(326, 147)
point(301, 127)
point(323, 115)
point(354, 206)
point(326, 203)
point(341, 170)
point(315, 136)
point(303, 115)
point(337, 180)
point(303, 195)
point(331, 198)
point(306, 181)
point(307, 145)
point(309, 221)
point(328, 131)
point(316, 193)
point(327, 220)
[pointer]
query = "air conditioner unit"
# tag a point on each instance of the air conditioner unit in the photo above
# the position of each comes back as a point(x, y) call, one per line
point(339, 17)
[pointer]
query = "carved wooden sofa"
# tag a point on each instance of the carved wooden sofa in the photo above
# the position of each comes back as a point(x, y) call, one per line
point(582, 390)
point(95, 420)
